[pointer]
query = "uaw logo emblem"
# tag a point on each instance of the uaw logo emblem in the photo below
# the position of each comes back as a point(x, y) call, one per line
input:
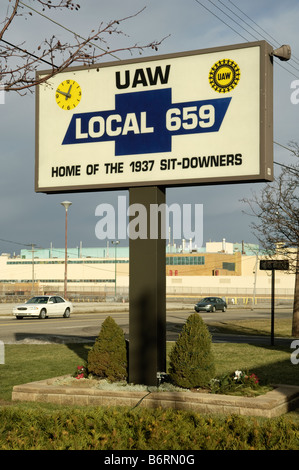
point(224, 76)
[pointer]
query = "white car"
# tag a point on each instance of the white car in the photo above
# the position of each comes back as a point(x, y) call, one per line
point(43, 306)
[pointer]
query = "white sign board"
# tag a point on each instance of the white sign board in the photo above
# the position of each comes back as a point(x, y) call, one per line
point(199, 117)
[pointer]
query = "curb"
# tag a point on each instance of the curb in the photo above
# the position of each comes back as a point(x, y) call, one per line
point(279, 401)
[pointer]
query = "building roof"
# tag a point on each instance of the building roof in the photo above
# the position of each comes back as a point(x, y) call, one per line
point(248, 249)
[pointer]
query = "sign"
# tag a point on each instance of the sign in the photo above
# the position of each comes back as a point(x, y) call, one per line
point(273, 265)
point(200, 117)
point(277, 264)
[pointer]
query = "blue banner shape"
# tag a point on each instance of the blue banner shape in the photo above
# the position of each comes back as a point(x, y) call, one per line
point(144, 122)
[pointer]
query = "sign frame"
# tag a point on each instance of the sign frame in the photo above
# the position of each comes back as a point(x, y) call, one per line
point(265, 128)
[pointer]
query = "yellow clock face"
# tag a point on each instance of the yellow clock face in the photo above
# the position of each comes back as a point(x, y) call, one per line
point(68, 95)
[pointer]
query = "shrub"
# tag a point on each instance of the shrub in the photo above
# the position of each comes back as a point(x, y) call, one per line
point(191, 359)
point(25, 427)
point(108, 357)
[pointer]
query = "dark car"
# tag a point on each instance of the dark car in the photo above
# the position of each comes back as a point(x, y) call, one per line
point(210, 304)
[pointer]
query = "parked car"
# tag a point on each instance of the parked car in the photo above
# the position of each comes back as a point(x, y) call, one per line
point(43, 306)
point(210, 304)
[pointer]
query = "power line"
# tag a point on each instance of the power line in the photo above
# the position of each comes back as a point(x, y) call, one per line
point(289, 168)
point(242, 19)
point(287, 148)
point(290, 65)
point(233, 19)
point(277, 43)
point(292, 170)
point(58, 24)
point(293, 57)
point(29, 53)
point(69, 30)
point(237, 32)
point(210, 11)
point(16, 243)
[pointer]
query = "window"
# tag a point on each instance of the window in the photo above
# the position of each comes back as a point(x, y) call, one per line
point(185, 260)
point(229, 266)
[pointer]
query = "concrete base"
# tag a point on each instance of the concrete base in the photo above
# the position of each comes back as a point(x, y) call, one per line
point(282, 399)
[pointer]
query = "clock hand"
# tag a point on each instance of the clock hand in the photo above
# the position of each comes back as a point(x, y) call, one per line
point(67, 95)
point(69, 90)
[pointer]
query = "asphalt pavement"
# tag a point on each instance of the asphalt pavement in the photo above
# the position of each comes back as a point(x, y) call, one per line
point(174, 321)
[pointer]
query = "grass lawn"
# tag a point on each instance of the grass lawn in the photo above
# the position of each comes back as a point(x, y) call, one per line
point(258, 327)
point(49, 426)
point(29, 362)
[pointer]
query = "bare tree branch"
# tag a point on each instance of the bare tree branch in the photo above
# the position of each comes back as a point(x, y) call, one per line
point(276, 210)
point(276, 221)
point(19, 66)
point(10, 18)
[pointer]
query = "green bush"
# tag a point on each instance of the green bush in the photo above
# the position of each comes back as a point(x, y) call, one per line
point(191, 359)
point(100, 428)
point(108, 357)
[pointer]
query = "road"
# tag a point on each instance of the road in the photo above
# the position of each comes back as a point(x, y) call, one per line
point(85, 325)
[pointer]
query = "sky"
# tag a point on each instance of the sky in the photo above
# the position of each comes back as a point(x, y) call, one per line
point(35, 218)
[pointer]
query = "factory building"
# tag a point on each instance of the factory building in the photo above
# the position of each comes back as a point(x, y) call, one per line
point(225, 269)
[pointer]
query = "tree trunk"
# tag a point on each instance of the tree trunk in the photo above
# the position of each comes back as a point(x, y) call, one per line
point(295, 326)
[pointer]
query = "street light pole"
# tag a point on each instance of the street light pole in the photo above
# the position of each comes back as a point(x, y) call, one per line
point(32, 249)
point(116, 242)
point(66, 205)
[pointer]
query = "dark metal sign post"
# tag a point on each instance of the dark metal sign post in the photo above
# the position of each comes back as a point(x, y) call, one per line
point(273, 265)
point(147, 294)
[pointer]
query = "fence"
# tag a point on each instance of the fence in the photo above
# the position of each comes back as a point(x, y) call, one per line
point(240, 296)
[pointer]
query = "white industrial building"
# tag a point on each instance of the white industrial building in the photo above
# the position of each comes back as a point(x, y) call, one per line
point(105, 271)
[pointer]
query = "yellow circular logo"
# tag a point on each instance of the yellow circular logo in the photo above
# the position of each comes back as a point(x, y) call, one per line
point(68, 95)
point(224, 76)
